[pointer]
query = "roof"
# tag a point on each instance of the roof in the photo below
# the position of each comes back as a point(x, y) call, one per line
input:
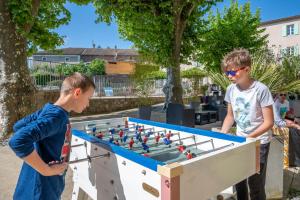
point(285, 19)
point(90, 51)
point(65, 51)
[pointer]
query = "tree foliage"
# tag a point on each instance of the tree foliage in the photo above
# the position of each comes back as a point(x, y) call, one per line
point(164, 32)
point(236, 28)
point(276, 76)
point(35, 20)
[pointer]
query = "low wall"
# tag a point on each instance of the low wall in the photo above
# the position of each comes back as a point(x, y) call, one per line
point(98, 105)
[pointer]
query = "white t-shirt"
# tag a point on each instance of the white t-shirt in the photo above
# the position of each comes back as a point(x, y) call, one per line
point(247, 108)
point(282, 108)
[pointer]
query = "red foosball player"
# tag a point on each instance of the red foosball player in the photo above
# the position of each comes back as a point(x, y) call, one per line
point(126, 124)
point(100, 135)
point(140, 130)
point(131, 142)
point(121, 133)
point(181, 148)
point(189, 155)
point(146, 155)
point(157, 137)
point(145, 139)
point(168, 135)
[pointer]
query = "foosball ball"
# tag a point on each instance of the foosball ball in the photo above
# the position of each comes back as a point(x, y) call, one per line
point(134, 159)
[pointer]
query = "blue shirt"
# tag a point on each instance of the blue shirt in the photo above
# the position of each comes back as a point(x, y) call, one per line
point(45, 132)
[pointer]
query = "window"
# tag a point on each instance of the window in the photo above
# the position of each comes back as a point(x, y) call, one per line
point(44, 59)
point(67, 59)
point(290, 51)
point(290, 29)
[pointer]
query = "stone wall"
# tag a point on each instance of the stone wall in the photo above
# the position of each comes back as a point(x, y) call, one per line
point(98, 105)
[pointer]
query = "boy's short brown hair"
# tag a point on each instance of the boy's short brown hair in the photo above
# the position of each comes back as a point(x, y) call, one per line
point(236, 59)
point(76, 80)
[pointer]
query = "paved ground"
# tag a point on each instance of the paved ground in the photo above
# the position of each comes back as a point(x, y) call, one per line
point(10, 164)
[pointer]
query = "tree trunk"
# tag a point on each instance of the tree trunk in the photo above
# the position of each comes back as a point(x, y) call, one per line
point(173, 88)
point(16, 88)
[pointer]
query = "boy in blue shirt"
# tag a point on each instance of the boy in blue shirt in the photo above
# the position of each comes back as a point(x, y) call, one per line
point(43, 138)
point(250, 106)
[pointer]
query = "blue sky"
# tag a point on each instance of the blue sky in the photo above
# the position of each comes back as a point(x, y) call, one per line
point(82, 30)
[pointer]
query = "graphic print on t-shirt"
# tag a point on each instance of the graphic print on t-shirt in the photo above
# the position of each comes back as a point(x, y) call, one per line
point(65, 152)
point(241, 110)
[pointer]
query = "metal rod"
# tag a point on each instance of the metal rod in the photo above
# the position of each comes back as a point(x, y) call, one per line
point(205, 152)
point(107, 129)
point(174, 148)
point(89, 158)
point(78, 145)
point(154, 144)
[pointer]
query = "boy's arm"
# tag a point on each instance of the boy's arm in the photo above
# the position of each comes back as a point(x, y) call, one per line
point(229, 120)
point(22, 142)
point(35, 161)
point(26, 120)
point(268, 116)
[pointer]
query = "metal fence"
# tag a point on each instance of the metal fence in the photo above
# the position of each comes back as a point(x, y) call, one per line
point(46, 77)
point(113, 85)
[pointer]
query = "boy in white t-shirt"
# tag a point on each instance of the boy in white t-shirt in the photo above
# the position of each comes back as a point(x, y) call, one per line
point(250, 106)
point(282, 105)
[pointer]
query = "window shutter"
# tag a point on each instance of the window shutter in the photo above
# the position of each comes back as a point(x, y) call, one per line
point(282, 52)
point(296, 29)
point(284, 31)
point(296, 50)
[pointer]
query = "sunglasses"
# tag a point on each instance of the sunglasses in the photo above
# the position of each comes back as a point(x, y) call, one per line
point(282, 95)
point(234, 72)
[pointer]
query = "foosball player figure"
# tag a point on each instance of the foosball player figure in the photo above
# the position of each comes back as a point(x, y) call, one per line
point(145, 139)
point(121, 133)
point(145, 147)
point(138, 136)
point(131, 142)
point(167, 141)
point(137, 127)
point(168, 135)
point(112, 131)
point(149, 133)
point(111, 139)
point(100, 135)
point(157, 137)
point(181, 148)
point(189, 155)
point(94, 131)
point(126, 124)
point(125, 137)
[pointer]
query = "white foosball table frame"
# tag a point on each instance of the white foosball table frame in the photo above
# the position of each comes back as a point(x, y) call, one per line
point(125, 174)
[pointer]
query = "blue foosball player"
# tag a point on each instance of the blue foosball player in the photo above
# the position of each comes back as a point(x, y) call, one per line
point(145, 147)
point(167, 141)
point(111, 139)
point(125, 138)
point(94, 131)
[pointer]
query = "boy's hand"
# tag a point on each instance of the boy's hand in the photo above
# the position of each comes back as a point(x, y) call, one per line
point(56, 168)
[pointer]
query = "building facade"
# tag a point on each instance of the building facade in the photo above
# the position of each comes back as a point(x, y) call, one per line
point(283, 35)
point(118, 61)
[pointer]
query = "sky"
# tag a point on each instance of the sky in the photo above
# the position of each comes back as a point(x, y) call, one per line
point(82, 31)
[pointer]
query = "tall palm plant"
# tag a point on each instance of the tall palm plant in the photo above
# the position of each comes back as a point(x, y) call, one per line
point(274, 75)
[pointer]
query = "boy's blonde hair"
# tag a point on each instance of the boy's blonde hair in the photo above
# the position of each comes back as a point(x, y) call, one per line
point(236, 59)
point(76, 80)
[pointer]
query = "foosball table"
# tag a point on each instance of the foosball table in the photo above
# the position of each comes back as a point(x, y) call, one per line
point(134, 159)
